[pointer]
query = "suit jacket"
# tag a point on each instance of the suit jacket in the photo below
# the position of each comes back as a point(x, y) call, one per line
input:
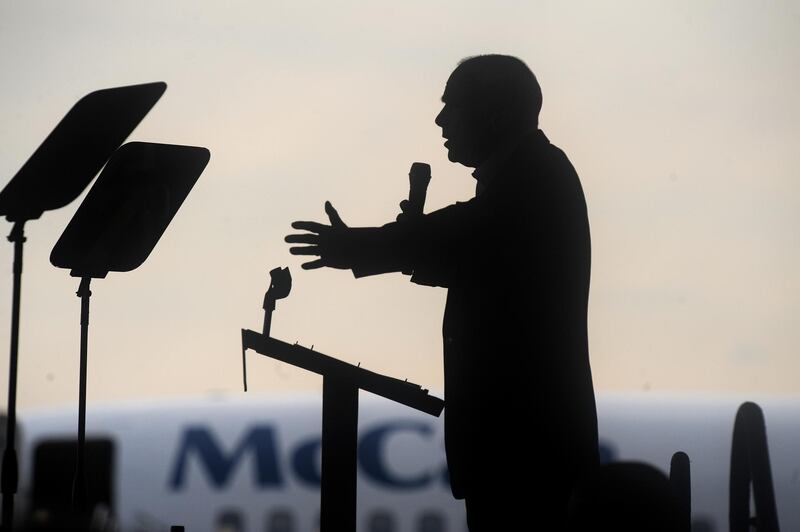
point(515, 260)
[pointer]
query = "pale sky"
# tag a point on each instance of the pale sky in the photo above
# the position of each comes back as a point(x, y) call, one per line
point(681, 118)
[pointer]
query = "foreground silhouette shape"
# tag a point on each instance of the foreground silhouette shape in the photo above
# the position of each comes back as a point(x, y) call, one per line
point(515, 259)
point(751, 474)
point(625, 497)
point(681, 482)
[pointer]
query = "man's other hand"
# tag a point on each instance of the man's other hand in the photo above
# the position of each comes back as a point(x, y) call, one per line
point(407, 212)
point(328, 242)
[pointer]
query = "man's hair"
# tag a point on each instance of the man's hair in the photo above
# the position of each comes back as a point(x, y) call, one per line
point(496, 83)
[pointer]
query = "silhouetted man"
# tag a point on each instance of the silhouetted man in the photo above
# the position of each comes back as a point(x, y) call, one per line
point(520, 421)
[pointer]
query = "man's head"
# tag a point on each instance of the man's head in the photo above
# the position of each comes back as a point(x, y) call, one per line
point(487, 99)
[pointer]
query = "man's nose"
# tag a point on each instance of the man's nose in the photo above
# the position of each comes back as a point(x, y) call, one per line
point(440, 118)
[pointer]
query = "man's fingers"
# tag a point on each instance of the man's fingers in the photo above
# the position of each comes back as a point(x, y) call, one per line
point(305, 238)
point(404, 205)
point(305, 250)
point(313, 265)
point(313, 227)
point(333, 216)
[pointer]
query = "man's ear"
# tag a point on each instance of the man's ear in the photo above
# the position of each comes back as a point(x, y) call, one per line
point(501, 122)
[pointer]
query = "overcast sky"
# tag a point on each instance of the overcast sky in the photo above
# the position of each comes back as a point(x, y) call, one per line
point(681, 117)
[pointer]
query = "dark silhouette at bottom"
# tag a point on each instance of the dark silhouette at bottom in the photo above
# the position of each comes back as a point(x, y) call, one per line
point(624, 497)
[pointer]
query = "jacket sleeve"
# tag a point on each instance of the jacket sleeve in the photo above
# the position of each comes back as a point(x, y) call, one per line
point(435, 247)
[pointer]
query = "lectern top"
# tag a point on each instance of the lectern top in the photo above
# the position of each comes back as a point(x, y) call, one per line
point(72, 154)
point(127, 210)
point(402, 392)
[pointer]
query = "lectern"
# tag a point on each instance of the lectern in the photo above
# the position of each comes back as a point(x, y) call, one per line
point(116, 227)
point(57, 172)
point(340, 385)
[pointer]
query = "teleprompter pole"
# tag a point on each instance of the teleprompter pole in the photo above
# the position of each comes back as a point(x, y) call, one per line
point(9, 480)
point(79, 488)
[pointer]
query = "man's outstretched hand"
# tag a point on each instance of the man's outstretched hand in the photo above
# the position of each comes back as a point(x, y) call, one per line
point(328, 242)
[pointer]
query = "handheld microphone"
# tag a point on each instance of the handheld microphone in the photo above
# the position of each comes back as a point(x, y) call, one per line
point(418, 177)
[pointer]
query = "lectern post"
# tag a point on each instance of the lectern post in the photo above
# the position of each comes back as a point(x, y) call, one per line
point(339, 467)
